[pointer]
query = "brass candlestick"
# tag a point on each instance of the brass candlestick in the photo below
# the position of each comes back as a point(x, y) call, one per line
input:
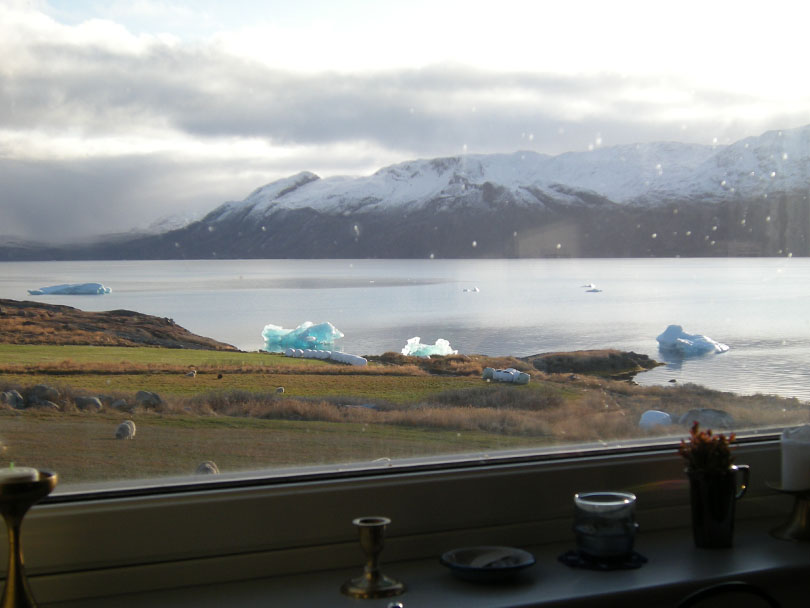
point(798, 526)
point(373, 583)
point(16, 497)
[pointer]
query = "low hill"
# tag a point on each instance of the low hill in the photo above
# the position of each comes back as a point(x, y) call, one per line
point(25, 322)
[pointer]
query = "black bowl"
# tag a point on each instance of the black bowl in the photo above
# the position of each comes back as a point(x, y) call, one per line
point(487, 564)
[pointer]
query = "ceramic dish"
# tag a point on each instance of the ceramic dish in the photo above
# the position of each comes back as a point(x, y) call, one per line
point(486, 564)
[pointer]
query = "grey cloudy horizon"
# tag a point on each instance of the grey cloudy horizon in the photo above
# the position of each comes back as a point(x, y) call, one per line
point(104, 129)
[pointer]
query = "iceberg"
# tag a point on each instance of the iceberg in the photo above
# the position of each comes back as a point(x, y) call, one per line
point(72, 289)
point(676, 341)
point(414, 348)
point(307, 336)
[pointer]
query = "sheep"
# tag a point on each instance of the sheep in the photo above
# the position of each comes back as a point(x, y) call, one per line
point(125, 430)
point(192, 373)
point(280, 389)
point(209, 467)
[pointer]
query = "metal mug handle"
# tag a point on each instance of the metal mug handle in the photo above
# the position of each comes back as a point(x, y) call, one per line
point(746, 477)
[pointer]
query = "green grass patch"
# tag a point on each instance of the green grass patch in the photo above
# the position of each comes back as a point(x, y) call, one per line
point(38, 354)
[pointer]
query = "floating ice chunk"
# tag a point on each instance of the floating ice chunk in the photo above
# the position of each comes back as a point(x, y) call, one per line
point(471, 290)
point(306, 336)
point(415, 349)
point(676, 341)
point(72, 289)
point(510, 374)
point(653, 418)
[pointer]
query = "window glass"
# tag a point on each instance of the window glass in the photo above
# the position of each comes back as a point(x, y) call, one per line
point(592, 217)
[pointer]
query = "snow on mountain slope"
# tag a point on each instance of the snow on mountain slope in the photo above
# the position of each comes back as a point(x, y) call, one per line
point(642, 174)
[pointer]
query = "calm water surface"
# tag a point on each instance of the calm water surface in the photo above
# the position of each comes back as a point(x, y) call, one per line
point(756, 306)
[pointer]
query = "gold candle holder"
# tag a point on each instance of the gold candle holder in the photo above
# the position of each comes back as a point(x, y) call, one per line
point(373, 583)
point(797, 527)
point(16, 497)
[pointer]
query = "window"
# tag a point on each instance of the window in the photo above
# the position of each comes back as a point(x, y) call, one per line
point(523, 181)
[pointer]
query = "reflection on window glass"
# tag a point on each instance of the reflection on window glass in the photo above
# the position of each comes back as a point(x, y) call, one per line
point(251, 237)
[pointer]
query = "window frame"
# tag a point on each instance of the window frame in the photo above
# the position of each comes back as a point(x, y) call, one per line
point(130, 540)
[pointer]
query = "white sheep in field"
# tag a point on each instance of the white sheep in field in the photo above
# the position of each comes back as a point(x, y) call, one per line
point(192, 373)
point(209, 467)
point(125, 430)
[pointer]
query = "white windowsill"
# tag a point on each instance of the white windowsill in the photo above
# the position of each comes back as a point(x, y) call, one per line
point(675, 568)
point(296, 541)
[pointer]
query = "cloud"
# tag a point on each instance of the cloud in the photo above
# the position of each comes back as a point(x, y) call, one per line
point(100, 123)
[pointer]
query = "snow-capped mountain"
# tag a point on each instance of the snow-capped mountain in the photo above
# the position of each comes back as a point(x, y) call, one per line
point(654, 199)
point(633, 174)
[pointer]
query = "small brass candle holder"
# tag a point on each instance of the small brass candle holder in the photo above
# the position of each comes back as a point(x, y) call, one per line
point(16, 497)
point(797, 527)
point(373, 583)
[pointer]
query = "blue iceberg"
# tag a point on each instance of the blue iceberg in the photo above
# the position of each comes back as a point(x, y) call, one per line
point(72, 289)
point(306, 336)
point(414, 348)
point(675, 341)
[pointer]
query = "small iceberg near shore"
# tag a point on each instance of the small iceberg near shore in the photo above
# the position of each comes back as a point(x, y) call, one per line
point(675, 341)
point(415, 348)
point(72, 289)
point(308, 335)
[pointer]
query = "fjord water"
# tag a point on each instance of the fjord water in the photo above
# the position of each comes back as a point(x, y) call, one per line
point(759, 307)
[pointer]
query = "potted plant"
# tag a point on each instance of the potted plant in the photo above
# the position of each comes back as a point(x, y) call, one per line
point(713, 486)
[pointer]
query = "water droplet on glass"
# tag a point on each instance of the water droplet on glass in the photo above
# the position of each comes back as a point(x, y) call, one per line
point(714, 228)
point(768, 219)
point(210, 228)
point(784, 155)
point(475, 243)
point(654, 235)
point(773, 173)
point(688, 233)
point(723, 183)
point(559, 245)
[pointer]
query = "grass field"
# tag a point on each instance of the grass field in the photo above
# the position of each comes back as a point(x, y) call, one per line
point(232, 413)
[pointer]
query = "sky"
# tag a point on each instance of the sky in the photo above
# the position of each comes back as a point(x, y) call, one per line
point(116, 114)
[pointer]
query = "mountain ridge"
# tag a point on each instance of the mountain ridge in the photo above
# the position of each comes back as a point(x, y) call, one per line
point(652, 199)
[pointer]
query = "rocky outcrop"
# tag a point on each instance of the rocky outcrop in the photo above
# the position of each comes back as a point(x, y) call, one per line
point(24, 322)
point(608, 363)
point(147, 399)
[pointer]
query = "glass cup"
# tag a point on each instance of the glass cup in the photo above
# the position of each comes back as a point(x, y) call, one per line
point(605, 524)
